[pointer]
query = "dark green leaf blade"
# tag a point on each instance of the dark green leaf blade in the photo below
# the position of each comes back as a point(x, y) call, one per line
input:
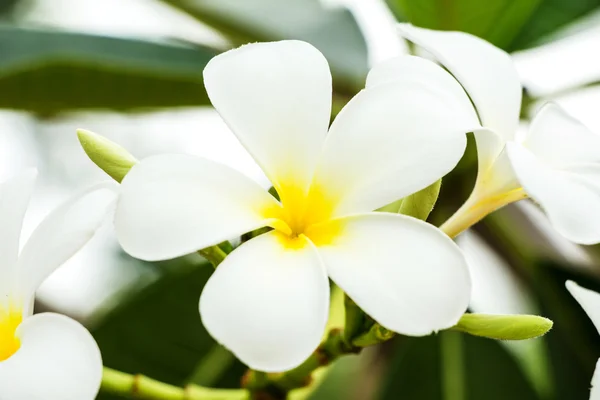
point(334, 31)
point(49, 71)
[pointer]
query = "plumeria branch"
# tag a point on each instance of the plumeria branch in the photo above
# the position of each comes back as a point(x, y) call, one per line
point(142, 387)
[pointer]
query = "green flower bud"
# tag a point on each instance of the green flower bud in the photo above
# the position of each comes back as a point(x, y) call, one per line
point(504, 327)
point(109, 156)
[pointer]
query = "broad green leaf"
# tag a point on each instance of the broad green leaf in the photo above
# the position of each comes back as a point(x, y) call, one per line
point(508, 24)
point(332, 30)
point(49, 71)
point(504, 327)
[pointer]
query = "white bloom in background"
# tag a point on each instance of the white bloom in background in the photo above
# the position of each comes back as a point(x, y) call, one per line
point(590, 302)
point(268, 301)
point(45, 356)
point(556, 163)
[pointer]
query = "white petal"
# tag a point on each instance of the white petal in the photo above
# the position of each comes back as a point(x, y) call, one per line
point(570, 198)
point(595, 392)
point(61, 234)
point(276, 97)
point(561, 140)
point(588, 300)
point(388, 142)
point(268, 303)
point(172, 205)
point(416, 69)
point(486, 72)
point(405, 273)
point(14, 199)
point(58, 360)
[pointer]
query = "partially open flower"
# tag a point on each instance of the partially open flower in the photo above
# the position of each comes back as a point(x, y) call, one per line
point(45, 356)
point(556, 162)
point(268, 301)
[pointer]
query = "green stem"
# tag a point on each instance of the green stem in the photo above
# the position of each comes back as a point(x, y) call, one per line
point(142, 387)
point(453, 366)
point(214, 254)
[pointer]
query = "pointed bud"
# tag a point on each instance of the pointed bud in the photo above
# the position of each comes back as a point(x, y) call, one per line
point(420, 204)
point(504, 327)
point(417, 205)
point(109, 156)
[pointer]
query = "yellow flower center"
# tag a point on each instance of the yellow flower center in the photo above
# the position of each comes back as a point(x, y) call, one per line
point(303, 214)
point(10, 319)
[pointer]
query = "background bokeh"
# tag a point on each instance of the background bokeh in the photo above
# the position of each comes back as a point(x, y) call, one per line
point(132, 71)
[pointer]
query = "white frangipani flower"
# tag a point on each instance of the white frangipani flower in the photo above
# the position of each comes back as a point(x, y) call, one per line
point(268, 301)
point(45, 356)
point(556, 162)
point(590, 302)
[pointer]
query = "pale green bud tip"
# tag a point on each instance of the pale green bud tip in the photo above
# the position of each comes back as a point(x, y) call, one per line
point(504, 327)
point(109, 156)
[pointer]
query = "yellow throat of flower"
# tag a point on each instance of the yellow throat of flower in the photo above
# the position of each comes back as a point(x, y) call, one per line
point(9, 321)
point(303, 214)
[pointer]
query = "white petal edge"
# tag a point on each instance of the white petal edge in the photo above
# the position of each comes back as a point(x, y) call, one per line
point(588, 299)
point(15, 194)
point(389, 141)
point(561, 140)
point(172, 205)
point(571, 199)
point(406, 274)
point(276, 98)
point(58, 360)
point(486, 72)
point(61, 234)
point(411, 68)
point(268, 304)
point(595, 392)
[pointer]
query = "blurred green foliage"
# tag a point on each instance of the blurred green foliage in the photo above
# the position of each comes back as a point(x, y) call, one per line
point(47, 72)
point(509, 24)
point(157, 331)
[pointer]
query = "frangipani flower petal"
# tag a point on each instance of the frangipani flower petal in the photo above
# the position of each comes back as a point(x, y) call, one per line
point(14, 198)
point(268, 303)
point(416, 69)
point(61, 234)
point(405, 273)
point(567, 196)
point(276, 97)
point(561, 140)
point(487, 74)
point(58, 360)
point(595, 392)
point(172, 205)
point(388, 142)
point(590, 302)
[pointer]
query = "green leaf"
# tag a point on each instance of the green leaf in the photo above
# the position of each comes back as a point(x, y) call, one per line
point(48, 72)
point(332, 30)
point(158, 332)
point(109, 156)
point(508, 24)
point(504, 327)
point(420, 204)
point(416, 371)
